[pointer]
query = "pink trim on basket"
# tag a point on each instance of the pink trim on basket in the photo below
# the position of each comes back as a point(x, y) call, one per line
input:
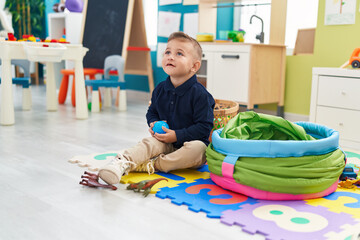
point(227, 169)
point(230, 184)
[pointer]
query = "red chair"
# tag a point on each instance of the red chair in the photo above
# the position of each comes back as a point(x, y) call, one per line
point(91, 72)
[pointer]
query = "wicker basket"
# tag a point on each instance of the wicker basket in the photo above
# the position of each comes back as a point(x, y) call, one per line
point(224, 111)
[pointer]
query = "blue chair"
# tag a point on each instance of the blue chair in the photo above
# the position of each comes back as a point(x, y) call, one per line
point(25, 82)
point(113, 62)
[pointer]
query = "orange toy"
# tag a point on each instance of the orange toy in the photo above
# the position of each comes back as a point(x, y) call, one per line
point(354, 60)
point(65, 82)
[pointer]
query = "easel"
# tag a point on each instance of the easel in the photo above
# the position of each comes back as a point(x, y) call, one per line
point(135, 49)
point(123, 33)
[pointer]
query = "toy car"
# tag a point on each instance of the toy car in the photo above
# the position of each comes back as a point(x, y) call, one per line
point(348, 172)
point(354, 60)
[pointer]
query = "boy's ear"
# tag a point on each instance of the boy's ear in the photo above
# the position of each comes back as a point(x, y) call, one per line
point(196, 66)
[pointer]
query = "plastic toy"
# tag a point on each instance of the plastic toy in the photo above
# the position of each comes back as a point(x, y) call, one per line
point(74, 5)
point(349, 183)
point(92, 180)
point(158, 127)
point(236, 36)
point(354, 60)
point(204, 37)
point(144, 186)
point(58, 7)
point(348, 173)
point(11, 37)
point(268, 157)
point(89, 106)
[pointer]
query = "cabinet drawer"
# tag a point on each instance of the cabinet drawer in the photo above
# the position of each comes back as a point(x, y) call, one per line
point(231, 76)
point(342, 120)
point(339, 92)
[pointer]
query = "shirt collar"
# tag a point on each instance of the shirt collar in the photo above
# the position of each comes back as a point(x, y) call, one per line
point(182, 89)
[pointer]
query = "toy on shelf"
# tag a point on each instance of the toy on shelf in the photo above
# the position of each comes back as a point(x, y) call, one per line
point(11, 37)
point(354, 60)
point(74, 5)
point(29, 38)
point(204, 37)
point(59, 7)
point(236, 36)
point(92, 180)
point(158, 127)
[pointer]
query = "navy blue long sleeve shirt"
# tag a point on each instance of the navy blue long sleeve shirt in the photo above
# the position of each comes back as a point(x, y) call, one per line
point(188, 110)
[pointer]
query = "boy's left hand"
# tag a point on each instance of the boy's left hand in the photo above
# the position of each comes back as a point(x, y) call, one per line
point(168, 137)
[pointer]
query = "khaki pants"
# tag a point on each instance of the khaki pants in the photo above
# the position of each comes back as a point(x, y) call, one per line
point(190, 155)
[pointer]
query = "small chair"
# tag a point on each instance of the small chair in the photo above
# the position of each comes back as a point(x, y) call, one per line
point(25, 82)
point(91, 72)
point(113, 62)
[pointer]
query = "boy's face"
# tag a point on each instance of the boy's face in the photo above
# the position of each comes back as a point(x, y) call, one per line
point(179, 59)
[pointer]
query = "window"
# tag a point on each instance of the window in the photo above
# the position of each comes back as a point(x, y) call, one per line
point(300, 14)
point(260, 8)
point(150, 15)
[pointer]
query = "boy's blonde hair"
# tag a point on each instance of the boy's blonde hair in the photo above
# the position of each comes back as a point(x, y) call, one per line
point(184, 37)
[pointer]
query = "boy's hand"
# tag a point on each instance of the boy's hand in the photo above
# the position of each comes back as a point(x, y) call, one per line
point(151, 127)
point(168, 137)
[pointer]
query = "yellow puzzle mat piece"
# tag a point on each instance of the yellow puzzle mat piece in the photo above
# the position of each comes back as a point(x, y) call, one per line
point(347, 201)
point(186, 175)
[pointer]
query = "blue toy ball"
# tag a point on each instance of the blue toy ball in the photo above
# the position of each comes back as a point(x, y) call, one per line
point(158, 127)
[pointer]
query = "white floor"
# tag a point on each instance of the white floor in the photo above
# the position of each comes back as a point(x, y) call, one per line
point(40, 195)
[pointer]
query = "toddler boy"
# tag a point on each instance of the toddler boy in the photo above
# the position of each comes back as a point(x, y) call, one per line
point(185, 105)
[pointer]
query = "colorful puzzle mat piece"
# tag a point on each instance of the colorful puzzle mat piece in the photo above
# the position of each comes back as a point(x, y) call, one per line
point(94, 161)
point(349, 232)
point(204, 195)
point(287, 220)
point(341, 201)
point(174, 177)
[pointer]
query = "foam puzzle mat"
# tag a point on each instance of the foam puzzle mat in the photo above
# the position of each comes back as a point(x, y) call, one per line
point(334, 217)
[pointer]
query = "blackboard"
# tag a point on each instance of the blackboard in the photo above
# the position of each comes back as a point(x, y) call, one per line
point(104, 29)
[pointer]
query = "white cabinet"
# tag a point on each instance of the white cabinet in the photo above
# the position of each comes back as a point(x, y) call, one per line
point(246, 73)
point(65, 23)
point(335, 102)
point(68, 24)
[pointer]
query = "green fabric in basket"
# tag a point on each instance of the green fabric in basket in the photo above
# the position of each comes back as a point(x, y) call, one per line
point(257, 126)
point(294, 175)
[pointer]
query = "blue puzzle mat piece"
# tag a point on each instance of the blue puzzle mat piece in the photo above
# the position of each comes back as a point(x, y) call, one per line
point(336, 195)
point(204, 195)
point(171, 176)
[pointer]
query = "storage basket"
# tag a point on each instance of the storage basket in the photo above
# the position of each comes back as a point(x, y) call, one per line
point(224, 110)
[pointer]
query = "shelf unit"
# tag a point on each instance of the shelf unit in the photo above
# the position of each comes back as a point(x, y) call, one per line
point(70, 22)
point(335, 102)
point(249, 74)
